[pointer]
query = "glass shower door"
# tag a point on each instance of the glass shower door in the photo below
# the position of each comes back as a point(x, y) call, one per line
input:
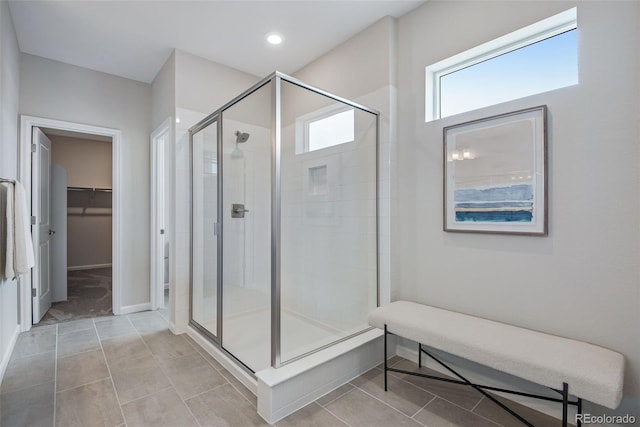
point(204, 292)
point(246, 223)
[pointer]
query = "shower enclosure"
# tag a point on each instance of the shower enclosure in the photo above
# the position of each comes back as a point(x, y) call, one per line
point(284, 234)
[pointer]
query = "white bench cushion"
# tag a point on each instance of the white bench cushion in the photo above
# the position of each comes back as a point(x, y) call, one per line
point(593, 373)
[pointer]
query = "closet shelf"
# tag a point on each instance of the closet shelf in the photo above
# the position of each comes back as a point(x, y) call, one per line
point(85, 197)
point(107, 190)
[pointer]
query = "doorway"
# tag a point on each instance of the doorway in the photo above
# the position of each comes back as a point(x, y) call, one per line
point(160, 218)
point(81, 226)
point(33, 285)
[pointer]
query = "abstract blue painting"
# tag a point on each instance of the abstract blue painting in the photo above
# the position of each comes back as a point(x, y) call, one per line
point(495, 174)
point(499, 204)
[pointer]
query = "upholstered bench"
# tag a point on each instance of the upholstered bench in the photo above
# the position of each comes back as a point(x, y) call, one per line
point(565, 365)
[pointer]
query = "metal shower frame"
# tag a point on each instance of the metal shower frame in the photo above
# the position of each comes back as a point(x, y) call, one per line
point(276, 79)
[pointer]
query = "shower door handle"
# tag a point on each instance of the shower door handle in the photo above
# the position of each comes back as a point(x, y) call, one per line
point(238, 210)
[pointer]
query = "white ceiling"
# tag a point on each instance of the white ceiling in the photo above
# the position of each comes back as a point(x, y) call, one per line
point(133, 39)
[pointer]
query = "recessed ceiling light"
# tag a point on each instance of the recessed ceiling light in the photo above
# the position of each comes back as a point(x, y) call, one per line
point(274, 38)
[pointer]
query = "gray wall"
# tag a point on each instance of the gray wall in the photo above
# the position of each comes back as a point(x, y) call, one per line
point(163, 92)
point(361, 65)
point(582, 280)
point(64, 92)
point(204, 86)
point(9, 83)
point(201, 87)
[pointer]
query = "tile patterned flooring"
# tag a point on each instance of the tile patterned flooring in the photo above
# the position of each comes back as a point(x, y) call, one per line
point(132, 371)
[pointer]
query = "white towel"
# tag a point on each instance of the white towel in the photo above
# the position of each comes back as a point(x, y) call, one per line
point(24, 257)
point(8, 273)
point(19, 253)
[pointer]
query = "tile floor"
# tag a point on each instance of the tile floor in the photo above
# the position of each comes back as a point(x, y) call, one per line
point(132, 371)
point(88, 295)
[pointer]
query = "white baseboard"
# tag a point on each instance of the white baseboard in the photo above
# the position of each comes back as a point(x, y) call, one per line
point(7, 354)
point(172, 328)
point(88, 267)
point(128, 309)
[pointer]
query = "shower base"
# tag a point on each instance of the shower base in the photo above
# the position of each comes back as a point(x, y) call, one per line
point(247, 328)
point(283, 391)
point(246, 335)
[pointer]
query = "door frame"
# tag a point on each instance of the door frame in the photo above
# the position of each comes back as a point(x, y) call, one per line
point(27, 123)
point(156, 258)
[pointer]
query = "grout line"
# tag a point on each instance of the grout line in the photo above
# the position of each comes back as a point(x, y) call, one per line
point(329, 411)
point(160, 390)
point(482, 416)
point(394, 363)
point(443, 398)
point(419, 422)
point(13, 357)
point(425, 405)
point(219, 368)
point(206, 391)
point(81, 352)
point(476, 405)
point(446, 400)
point(184, 402)
point(221, 371)
point(155, 359)
point(203, 353)
point(104, 357)
point(71, 332)
point(435, 396)
point(464, 409)
point(382, 401)
point(338, 397)
point(449, 401)
point(82, 385)
point(237, 389)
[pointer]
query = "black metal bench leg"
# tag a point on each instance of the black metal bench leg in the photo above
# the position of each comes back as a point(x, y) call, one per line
point(385, 357)
point(419, 355)
point(480, 389)
point(565, 404)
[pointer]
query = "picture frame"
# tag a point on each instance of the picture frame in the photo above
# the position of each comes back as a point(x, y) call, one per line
point(495, 174)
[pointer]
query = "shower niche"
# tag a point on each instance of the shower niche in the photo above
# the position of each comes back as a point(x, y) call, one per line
point(284, 232)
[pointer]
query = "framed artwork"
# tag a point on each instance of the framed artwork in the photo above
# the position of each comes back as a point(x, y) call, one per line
point(495, 174)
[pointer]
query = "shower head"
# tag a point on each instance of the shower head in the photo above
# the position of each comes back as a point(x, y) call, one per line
point(241, 137)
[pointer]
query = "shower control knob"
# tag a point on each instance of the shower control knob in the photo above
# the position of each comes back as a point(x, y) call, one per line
point(238, 210)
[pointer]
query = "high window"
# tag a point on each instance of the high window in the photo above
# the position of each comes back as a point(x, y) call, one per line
point(534, 59)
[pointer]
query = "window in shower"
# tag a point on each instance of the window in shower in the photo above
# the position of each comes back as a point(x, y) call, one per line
point(325, 128)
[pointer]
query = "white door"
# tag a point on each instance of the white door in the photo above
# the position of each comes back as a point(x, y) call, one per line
point(159, 236)
point(41, 231)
